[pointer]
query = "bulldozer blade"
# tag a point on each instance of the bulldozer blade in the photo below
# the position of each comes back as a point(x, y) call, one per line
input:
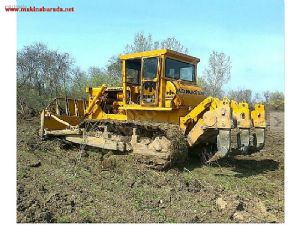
point(223, 145)
point(260, 138)
point(243, 140)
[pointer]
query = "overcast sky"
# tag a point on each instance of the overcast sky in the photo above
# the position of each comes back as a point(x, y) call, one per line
point(251, 32)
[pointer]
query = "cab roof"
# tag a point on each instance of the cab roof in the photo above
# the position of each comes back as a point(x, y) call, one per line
point(167, 52)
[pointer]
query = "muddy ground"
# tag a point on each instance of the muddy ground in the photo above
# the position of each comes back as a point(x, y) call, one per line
point(56, 184)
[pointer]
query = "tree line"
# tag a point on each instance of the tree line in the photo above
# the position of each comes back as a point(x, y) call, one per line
point(43, 74)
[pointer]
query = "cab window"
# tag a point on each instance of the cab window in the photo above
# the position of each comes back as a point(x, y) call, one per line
point(180, 70)
point(150, 68)
point(133, 68)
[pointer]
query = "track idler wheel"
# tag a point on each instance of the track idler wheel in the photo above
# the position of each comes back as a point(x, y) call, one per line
point(223, 145)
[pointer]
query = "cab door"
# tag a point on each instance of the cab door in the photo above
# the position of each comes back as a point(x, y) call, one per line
point(150, 81)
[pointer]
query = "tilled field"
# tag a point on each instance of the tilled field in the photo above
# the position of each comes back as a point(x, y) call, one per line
point(56, 184)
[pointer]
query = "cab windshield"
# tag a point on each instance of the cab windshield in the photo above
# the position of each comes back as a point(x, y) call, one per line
point(180, 70)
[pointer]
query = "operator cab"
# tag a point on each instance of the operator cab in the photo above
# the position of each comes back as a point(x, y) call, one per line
point(145, 75)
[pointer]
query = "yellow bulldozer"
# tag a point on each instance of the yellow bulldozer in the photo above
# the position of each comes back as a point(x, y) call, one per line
point(159, 113)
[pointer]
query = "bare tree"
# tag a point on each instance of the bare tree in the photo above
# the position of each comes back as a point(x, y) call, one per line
point(80, 81)
point(100, 76)
point(267, 95)
point(140, 43)
point(114, 68)
point(241, 95)
point(276, 100)
point(31, 66)
point(144, 42)
point(42, 74)
point(257, 98)
point(217, 73)
point(173, 44)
